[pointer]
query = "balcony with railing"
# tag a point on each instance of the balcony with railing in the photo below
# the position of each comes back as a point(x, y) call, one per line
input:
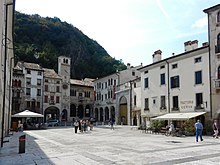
point(217, 83)
point(199, 108)
point(217, 49)
point(175, 109)
point(52, 102)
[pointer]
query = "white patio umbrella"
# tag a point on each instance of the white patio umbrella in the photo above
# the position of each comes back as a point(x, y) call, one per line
point(27, 113)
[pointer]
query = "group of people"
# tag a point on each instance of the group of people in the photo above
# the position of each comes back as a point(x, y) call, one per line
point(199, 128)
point(83, 125)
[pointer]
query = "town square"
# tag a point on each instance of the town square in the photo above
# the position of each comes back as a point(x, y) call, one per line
point(124, 145)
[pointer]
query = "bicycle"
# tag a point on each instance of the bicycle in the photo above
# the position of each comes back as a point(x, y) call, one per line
point(176, 133)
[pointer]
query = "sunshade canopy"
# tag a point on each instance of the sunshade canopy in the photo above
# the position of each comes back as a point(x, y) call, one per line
point(27, 113)
point(179, 116)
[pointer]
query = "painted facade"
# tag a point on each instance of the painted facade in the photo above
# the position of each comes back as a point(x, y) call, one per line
point(214, 53)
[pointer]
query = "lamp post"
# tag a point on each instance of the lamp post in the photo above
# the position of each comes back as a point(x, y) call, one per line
point(4, 76)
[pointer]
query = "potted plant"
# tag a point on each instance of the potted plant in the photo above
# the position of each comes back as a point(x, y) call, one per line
point(156, 125)
point(189, 127)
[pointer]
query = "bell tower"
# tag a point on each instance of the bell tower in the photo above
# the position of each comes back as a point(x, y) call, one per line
point(64, 71)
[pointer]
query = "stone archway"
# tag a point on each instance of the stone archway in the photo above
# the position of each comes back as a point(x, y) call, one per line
point(80, 111)
point(135, 120)
point(87, 111)
point(112, 112)
point(72, 110)
point(51, 113)
point(64, 115)
point(101, 114)
point(106, 113)
point(123, 111)
point(96, 114)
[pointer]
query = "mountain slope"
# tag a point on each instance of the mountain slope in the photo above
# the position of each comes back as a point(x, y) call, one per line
point(42, 40)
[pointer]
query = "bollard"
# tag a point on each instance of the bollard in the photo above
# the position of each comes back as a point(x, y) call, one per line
point(22, 140)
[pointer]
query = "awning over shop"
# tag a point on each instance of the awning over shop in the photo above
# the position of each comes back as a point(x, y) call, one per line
point(27, 113)
point(179, 116)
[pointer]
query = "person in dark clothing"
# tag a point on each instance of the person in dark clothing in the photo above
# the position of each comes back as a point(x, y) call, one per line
point(215, 129)
point(76, 125)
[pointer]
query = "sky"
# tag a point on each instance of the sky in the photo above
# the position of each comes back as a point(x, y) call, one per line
point(131, 30)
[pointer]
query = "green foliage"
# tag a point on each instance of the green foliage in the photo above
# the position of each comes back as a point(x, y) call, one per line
point(49, 38)
point(157, 124)
point(208, 126)
point(189, 126)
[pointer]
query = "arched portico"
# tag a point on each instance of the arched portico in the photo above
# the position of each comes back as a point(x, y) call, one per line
point(80, 111)
point(96, 114)
point(72, 110)
point(64, 115)
point(112, 112)
point(51, 113)
point(88, 111)
point(101, 114)
point(106, 113)
point(123, 111)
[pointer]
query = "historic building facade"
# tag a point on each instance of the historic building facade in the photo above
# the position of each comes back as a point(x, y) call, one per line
point(81, 98)
point(51, 95)
point(214, 55)
point(179, 84)
point(117, 97)
point(27, 87)
point(6, 60)
point(105, 98)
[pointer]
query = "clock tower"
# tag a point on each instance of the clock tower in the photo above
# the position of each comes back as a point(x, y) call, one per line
point(64, 71)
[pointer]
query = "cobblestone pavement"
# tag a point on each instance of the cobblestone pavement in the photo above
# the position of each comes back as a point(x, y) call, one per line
point(61, 146)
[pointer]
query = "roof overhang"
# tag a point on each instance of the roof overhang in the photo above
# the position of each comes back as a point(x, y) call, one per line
point(178, 116)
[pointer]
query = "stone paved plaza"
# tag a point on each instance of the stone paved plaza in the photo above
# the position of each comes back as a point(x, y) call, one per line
point(61, 146)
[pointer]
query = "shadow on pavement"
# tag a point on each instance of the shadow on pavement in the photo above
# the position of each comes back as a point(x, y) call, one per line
point(9, 153)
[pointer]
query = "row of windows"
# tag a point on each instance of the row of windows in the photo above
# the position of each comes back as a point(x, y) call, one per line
point(33, 104)
point(28, 91)
point(28, 71)
point(175, 80)
point(52, 81)
point(175, 101)
point(106, 84)
point(16, 83)
point(109, 95)
point(174, 66)
point(73, 92)
point(28, 81)
point(52, 88)
point(51, 100)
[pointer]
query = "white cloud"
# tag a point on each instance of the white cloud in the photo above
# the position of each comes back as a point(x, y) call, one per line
point(200, 23)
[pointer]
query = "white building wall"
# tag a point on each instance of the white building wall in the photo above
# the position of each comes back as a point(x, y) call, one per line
point(186, 68)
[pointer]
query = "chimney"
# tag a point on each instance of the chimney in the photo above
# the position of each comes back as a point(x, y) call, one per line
point(157, 56)
point(194, 44)
point(205, 44)
point(187, 45)
point(128, 65)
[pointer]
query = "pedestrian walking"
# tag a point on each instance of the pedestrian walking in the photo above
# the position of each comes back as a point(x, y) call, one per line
point(199, 128)
point(112, 124)
point(80, 126)
point(171, 129)
point(215, 129)
point(76, 125)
